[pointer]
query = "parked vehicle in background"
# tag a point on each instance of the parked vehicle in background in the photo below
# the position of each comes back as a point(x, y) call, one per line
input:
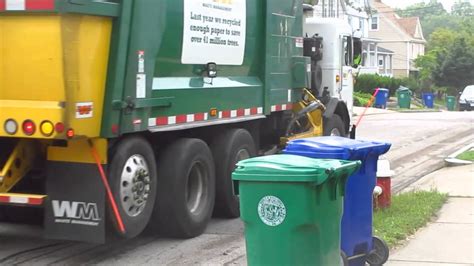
point(466, 100)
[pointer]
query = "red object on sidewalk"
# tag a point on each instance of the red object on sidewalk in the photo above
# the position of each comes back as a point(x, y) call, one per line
point(385, 199)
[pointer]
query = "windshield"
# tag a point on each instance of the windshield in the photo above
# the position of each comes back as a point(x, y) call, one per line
point(468, 91)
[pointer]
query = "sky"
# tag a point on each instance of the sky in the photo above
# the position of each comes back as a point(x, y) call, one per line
point(404, 3)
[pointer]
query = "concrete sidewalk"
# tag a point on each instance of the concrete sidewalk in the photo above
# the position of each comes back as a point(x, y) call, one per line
point(449, 240)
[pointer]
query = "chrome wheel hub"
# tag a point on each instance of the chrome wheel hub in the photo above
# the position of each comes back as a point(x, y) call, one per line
point(134, 185)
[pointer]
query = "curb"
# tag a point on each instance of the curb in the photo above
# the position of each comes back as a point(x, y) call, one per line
point(418, 111)
point(451, 159)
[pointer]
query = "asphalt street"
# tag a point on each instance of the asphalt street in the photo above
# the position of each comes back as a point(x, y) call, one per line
point(420, 142)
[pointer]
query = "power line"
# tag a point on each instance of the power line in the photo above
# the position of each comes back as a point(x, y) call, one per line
point(404, 10)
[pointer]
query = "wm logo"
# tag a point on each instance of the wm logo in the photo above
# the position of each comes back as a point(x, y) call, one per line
point(76, 210)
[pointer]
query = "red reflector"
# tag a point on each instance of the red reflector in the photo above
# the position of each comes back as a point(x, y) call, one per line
point(59, 127)
point(70, 133)
point(39, 4)
point(29, 127)
point(2, 4)
point(115, 129)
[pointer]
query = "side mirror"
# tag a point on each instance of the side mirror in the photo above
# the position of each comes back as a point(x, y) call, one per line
point(211, 70)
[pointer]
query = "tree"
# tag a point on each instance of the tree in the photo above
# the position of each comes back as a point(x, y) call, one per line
point(462, 8)
point(457, 66)
point(449, 60)
point(423, 10)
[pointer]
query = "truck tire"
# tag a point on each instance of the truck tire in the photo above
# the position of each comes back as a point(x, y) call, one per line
point(228, 148)
point(3, 217)
point(132, 174)
point(334, 126)
point(186, 189)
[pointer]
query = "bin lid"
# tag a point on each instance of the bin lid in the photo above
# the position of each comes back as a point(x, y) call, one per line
point(383, 89)
point(336, 148)
point(403, 89)
point(292, 168)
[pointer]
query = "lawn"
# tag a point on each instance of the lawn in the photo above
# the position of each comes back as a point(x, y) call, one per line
point(409, 212)
point(467, 155)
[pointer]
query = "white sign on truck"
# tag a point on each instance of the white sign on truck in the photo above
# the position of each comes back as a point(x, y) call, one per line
point(216, 29)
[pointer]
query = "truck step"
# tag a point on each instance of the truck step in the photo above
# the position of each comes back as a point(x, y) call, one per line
point(21, 199)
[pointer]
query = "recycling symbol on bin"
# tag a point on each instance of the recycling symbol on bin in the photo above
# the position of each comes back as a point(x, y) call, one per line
point(271, 210)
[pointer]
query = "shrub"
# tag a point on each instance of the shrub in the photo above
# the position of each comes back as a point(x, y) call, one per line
point(361, 98)
point(368, 82)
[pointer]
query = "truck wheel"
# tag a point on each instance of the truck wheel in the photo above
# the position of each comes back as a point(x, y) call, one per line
point(229, 148)
point(334, 126)
point(186, 189)
point(3, 217)
point(132, 174)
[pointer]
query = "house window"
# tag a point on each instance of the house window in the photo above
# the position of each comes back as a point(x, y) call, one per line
point(361, 24)
point(380, 62)
point(374, 22)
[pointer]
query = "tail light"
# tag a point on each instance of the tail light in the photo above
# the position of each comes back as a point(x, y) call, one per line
point(47, 128)
point(70, 133)
point(59, 127)
point(29, 127)
point(11, 126)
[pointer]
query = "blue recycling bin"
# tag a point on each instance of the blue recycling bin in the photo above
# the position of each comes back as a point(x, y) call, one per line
point(357, 242)
point(381, 98)
point(428, 99)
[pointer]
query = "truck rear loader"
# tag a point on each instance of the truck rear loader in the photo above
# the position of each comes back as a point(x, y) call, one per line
point(121, 115)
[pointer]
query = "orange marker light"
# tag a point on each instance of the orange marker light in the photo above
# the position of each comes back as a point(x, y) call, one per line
point(338, 78)
point(70, 133)
point(213, 112)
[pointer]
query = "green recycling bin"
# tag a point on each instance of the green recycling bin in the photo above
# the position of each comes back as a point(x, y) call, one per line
point(450, 103)
point(292, 208)
point(404, 97)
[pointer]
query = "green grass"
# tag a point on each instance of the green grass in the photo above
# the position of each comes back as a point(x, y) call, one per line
point(408, 212)
point(361, 98)
point(467, 155)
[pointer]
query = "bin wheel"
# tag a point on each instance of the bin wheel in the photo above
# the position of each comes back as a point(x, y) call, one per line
point(380, 252)
point(227, 149)
point(344, 259)
point(186, 189)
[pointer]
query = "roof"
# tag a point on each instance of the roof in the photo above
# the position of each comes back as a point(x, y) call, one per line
point(382, 50)
point(409, 25)
point(406, 24)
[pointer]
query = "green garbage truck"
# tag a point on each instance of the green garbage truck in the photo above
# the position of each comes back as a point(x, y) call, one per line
point(121, 115)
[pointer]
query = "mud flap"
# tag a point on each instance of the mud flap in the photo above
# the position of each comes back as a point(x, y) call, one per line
point(75, 207)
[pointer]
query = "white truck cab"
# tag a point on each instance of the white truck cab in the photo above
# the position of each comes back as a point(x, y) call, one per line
point(335, 67)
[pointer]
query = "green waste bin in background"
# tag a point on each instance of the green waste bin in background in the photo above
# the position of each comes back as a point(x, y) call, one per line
point(404, 97)
point(292, 208)
point(450, 103)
